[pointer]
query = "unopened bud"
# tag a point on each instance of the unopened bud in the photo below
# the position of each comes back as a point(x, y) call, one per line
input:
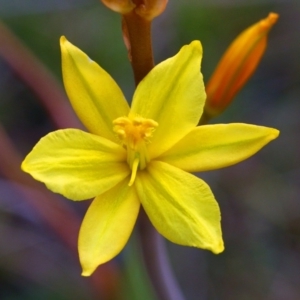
point(147, 9)
point(120, 6)
point(237, 65)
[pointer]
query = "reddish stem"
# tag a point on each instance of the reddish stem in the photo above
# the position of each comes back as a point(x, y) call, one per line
point(140, 45)
point(38, 78)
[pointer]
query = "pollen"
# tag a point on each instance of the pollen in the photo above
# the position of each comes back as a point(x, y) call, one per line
point(135, 133)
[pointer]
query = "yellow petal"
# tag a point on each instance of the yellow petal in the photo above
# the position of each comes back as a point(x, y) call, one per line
point(237, 65)
point(107, 226)
point(180, 206)
point(216, 146)
point(94, 95)
point(77, 164)
point(173, 95)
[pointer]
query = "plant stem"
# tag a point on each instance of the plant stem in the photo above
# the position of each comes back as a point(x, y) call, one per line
point(157, 262)
point(140, 45)
point(38, 78)
point(137, 35)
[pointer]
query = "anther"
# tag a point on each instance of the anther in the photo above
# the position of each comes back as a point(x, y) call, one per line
point(135, 133)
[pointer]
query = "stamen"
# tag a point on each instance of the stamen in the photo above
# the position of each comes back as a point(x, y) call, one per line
point(133, 171)
point(135, 133)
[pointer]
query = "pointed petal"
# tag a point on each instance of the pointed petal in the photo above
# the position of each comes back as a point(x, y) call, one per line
point(94, 95)
point(216, 146)
point(107, 226)
point(173, 95)
point(77, 164)
point(180, 206)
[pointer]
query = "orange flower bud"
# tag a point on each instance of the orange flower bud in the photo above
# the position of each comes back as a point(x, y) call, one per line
point(237, 65)
point(147, 9)
point(120, 6)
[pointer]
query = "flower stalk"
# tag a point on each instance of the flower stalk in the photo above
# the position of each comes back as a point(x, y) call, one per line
point(147, 9)
point(157, 262)
point(137, 37)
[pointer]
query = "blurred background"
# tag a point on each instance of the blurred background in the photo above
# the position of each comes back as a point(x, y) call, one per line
point(259, 198)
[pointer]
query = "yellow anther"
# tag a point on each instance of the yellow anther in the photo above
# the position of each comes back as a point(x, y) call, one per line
point(135, 133)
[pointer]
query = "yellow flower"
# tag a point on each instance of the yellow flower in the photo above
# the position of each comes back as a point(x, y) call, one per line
point(237, 65)
point(140, 155)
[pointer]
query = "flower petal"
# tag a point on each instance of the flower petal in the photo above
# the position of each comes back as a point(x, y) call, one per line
point(180, 206)
point(77, 164)
point(107, 226)
point(212, 147)
point(173, 95)
point(94, 95)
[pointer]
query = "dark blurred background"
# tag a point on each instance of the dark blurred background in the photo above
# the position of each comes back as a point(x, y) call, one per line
point(259, 198)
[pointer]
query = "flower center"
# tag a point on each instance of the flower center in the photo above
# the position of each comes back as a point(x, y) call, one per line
point(135, 133)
